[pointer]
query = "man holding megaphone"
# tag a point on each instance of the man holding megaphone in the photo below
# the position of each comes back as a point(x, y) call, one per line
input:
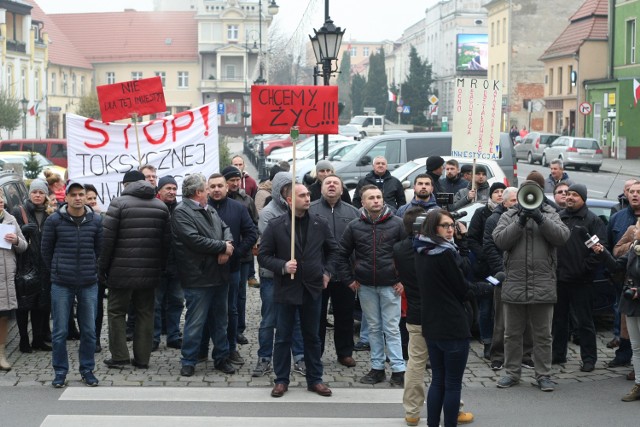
point(529, 235)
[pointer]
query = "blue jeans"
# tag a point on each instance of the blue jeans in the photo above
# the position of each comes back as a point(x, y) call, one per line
point(205, 306)
point(169, 287)
point(309, 314)
point(364, 331)
point(232, 304)
point(485, 317)
point(268, 325)
point(381, 307)
point(62, 298)
point(448, 361)
point(245, 268)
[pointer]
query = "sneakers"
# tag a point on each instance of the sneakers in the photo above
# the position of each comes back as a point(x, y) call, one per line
point(587, 367)
point(89, 379)
point(506, 382)
point(362, 346)
point(374, 376)
point(397, 378)
point(253, 282)
point(634, 394)
point(235, 358)
point(496, 365)
point(412, 421)
point(300, 368)
point(527, 363)
point(545, 384)
point(261, 369)
point(465, 417)
point(59, 381)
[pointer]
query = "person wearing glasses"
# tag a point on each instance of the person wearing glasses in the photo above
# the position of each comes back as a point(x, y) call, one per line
point(560, 194)
point(441, 271)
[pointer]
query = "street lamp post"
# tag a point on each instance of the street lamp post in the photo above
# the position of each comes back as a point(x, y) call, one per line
point(273, 9)
point(25, 105)
point(246, 95)
point(326, 45)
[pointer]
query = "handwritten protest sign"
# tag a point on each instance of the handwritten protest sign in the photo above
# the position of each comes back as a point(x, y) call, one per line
point(275, 109)
point(101, 153)
point(123, 100)
point(476, 119)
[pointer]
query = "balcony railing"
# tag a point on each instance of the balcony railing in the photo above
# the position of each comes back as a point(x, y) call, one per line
point(16, 46)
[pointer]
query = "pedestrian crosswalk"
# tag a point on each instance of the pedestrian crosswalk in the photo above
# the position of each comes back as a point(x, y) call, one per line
point(347, 407)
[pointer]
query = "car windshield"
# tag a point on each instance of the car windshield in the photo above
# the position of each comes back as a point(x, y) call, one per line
point(404, 170)
point(587, 144)
point(356, 152)
point(358, 120)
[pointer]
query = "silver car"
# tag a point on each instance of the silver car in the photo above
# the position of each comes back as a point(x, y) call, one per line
point(574, 151)
point(533, 145)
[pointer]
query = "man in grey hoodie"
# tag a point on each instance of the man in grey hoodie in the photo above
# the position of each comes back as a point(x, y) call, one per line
point(275, 208)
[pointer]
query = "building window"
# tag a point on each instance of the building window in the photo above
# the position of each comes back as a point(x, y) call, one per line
point(36, 84)
point(111, 78)
point(136, 75)
point(493, 33)
point(230, 72)
point(365, 51)
point(163, 77)
point(231, 112)
point(53, 83)
point(497, 72)
point(23, 82)
point(560, 78)
point(183, 79)
point(504, 67)
point(354, 51)
point(65, 86)
point(74, 85)
point(498, 32)
point(504, 30)
point(570, 69)
point(232, 32)
point(550, 85)
point(81, 85)
point(631, 41)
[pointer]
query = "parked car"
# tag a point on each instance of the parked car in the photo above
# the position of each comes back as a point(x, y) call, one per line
point(21, 157)
point(349, 130)
point(53, 149)
point(574, 152)
point(304, 166)
point(533, 145)
point(303, 148)
point(14, 189)
point(275, 144)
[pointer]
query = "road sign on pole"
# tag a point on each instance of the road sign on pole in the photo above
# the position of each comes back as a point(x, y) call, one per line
point(585, 108)
point(398, 109)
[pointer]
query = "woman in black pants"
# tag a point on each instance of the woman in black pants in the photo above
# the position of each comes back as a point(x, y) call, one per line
point(445, 324)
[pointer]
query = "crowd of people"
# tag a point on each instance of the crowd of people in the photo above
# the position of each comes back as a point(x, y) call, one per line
point(407, 270)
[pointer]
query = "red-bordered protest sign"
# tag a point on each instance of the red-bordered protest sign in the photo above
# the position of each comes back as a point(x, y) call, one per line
point(133, 98)
point(313, 109)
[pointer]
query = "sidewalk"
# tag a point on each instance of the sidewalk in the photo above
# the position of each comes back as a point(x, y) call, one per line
point(626, 167)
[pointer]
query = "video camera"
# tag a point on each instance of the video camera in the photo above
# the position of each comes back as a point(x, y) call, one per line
point(417, 225)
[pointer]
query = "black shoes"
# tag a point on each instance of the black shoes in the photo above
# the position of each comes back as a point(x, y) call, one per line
point(41, 346)
point(225, 366)
point(374, 376)
point(25, 347)
point(116, 363)
point(397, 378)
point(187, 371)
point(138, 364)
point(177, 344)
point(587, 367)
point(241, 339)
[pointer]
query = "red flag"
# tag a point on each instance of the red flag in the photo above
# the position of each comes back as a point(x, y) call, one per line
point(32, 110)
point(636, 92)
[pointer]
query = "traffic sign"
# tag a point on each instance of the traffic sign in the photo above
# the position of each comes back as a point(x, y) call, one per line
point(585, 108)
point(406, 110)
point(220, 108)
point(433, 110)
point(433, 99)
point(399, 109)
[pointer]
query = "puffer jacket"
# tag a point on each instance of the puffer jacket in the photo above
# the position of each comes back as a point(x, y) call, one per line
point(70, 251)
point(199, 235)
point(8, 300)
point(276, 207)
point(372, 241)
point(391, 187)
point(530, 258)
point(461, 198)
point(136, 238)
point(32, 255)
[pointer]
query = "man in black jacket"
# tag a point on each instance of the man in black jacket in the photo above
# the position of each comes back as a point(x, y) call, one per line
point(453, 181)
point(136, 244)
point(391, 187)
point(202, 244)
point(299, 279)
point(71, 243)
point(338, 213)
point(323, 169)
point(577, 265)
point(435, 166)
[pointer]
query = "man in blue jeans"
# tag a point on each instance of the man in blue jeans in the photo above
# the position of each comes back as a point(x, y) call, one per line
point(202, 244)
point(71, 242)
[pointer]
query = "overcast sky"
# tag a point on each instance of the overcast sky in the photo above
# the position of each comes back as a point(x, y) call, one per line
point(365, 20)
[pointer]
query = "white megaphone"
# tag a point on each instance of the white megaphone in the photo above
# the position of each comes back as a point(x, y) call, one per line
point(530, 195)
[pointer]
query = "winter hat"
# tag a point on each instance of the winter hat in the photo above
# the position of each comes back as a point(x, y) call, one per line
point(273, 171)
point(38, 184)
point(231, 172)
point(434, 162)
point(167, 180)
point(495, 186)
point(132, 176)
point(581, 189)
point(481, 168)
point(536, 177)
point(466, 169)
point(324, 164)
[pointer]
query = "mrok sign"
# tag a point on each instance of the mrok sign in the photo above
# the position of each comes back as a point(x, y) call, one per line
point(123, 100)
point(275, 109)
point(101, 153)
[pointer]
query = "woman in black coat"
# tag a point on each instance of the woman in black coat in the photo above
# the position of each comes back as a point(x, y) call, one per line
point(445, 325)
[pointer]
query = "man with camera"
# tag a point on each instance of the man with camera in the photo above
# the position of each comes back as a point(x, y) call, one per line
point(529, 235)
point(577, 265)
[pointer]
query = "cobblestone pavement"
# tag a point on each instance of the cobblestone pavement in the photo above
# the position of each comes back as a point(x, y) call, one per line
point(164, 367)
